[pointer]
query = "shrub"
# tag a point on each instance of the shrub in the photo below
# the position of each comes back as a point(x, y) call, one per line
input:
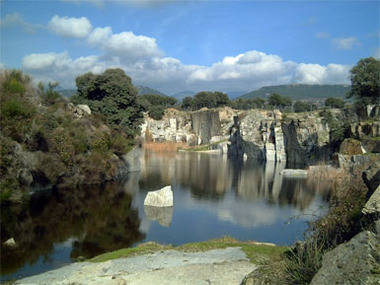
point(303, 262)
point(15, 108)
point(156, 112)
point(61, 143)
point(119, 144)
point(14, 82)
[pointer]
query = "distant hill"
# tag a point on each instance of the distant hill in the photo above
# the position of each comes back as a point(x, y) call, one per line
point(235, 94)
point(301, 91)
point(180, 95)
point(147, 90)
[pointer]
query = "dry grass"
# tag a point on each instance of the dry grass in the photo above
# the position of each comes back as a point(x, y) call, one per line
point(326, 178)
point(164, 147)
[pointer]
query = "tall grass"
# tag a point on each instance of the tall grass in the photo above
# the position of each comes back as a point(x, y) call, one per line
point(346, 194)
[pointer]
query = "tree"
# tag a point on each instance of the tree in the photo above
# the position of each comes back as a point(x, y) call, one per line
point(221, 99)
point(300, 106)
point(365, 81)
point(279, 101)
point(334, 103)
point(113, 95)
point(204, 99)
point(188, 103)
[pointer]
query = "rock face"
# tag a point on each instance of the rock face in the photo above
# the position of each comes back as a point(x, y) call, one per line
point(351, 147)
point(160, 198)
point(264, 135)
point(354, 262)
point(372, 207)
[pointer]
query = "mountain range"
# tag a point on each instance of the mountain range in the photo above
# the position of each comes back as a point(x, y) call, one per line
point(301, 91)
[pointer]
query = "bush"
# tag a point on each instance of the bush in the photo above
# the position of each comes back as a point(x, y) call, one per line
point(303, 262)
point(14, 82)
point(15, 108)
point(156, 112)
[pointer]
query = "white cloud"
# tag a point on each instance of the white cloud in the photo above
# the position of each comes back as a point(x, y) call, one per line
point(125, 44)
point(143, 61)
point(16, 20)
point(345, 43)
point(70, 27)
point(61, 67)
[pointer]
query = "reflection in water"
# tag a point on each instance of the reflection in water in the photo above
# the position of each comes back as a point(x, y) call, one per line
point(93, 219)
point(163, 215)
point(212, 176)
point(213, 197)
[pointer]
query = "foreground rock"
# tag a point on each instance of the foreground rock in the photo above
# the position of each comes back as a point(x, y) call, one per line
point(220, 266)
point(372, 207)
point(160, 198)
point(353, 262)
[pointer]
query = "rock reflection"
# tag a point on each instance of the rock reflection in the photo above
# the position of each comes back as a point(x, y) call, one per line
point(163, 215)
point(95, 219)
point(212, 176)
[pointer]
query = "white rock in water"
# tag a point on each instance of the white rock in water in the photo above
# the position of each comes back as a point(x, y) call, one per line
point(160, 198)
point(10, 242)
point(294, 173)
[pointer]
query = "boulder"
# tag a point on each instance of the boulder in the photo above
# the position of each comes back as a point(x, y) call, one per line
point(160, 198)
point(296, 173)
point(133, 159)
point(372, 207)
point(85, 108)
point(163, 215)
point(351, 147)
point(353, 262)
point(10, 243)
point(371, 177)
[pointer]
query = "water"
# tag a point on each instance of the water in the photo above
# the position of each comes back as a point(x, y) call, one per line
point(213, 197)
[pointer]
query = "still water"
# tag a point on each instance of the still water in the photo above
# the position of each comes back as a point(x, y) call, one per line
point(213, 197)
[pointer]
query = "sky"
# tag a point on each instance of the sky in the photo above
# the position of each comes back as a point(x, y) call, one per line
point(174, 46)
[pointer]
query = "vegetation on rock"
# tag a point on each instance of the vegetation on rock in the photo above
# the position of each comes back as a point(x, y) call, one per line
point(43, 141)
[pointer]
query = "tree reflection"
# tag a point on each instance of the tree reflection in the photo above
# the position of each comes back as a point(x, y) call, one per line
point(97, 218)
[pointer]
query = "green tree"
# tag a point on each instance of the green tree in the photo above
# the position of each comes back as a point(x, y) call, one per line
point(221, 99)
point(365, 81)
point(204, 99)
point(113, 95)
point(300, 106)
point(188, 103)
point(278, 101)
point(334, 102)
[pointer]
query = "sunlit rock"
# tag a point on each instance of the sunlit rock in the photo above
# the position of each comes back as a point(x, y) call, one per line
point(160, 198)
point(297, 173)
point(10, 243)
point(372, 207)
point(85, 108)
point(163, 215)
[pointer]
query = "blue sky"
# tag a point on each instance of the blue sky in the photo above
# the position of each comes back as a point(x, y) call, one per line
point(191, 45)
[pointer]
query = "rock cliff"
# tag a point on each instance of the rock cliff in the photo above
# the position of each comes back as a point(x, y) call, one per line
point(297, 138)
